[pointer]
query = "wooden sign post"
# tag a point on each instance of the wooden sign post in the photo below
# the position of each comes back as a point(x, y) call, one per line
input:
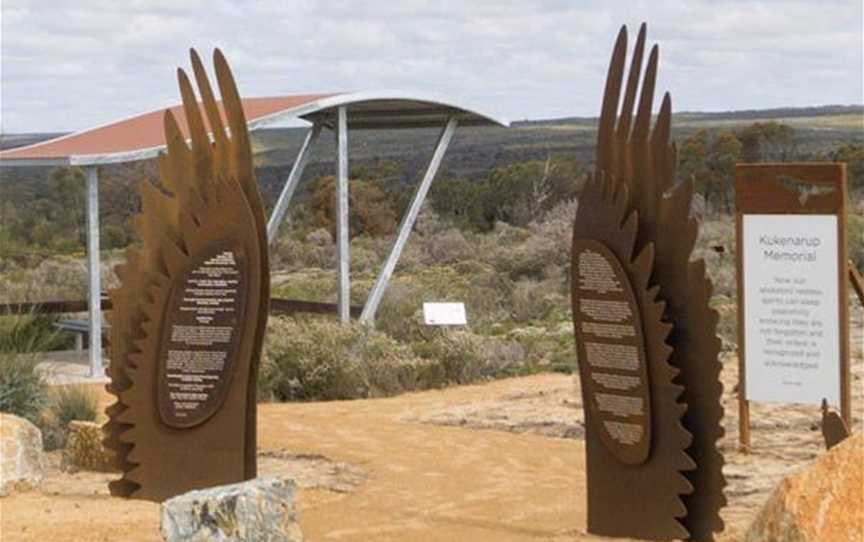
point(793, 313)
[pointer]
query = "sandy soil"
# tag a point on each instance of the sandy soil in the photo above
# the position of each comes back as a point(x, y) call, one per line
point(500, 461)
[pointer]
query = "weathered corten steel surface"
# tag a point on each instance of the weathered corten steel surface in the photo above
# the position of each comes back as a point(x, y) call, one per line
point(635, 210)
point(834, 429)
point(189, 315)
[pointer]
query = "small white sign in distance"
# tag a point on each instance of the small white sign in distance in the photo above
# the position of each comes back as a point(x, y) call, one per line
point(444, 314)
point(791, 308)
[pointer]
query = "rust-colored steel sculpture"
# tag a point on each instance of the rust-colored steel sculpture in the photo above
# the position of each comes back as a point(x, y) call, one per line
point(834, 429)
point(189, 315)
point(646, 337)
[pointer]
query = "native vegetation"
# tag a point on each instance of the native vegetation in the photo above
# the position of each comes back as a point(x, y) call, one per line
point(495, 234)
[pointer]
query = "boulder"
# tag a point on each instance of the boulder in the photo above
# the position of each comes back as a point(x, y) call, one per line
point(261, 509)
point(22, 460)
point(824, 502)
point(84, 449)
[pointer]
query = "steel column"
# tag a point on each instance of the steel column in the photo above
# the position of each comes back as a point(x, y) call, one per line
point(94, 295)
point(408, 220)
point(342, 240)
point(278, 214)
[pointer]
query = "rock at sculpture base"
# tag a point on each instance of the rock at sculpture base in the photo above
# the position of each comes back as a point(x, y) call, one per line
point(261, 509)
point(84, 449)
point(824, 503)
point(22, 460)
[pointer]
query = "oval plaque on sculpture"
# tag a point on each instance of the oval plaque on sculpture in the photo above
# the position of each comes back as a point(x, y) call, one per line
point(200, 336)
point(611, 352)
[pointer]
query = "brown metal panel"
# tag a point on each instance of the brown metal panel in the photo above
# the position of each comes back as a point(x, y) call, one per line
point(641, 500)
point(636, 164)
point(759, 188)
point(189, 315)
point(857, 282)
point(834, 429)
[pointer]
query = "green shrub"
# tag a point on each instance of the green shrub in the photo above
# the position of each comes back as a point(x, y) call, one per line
point(67, 404)
point(70, 403)
point(22, 389)
point(26, 333)
point(400, 312)
point(533, 301)
point(457, 354)
point(321, 359)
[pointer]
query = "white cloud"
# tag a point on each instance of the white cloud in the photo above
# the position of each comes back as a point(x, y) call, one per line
point(68, 66)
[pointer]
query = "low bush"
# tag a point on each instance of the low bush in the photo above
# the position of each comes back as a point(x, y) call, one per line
point(31, 332)
point(67, 404)
point(533, 300)
point(458, 356)
point(22, 389)
point(70, 403)
point(320, 359)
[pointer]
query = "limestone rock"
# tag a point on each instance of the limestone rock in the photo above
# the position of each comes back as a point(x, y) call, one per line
point(261, 510)
point(84, 449)
point(823, 503)
point(22, 460)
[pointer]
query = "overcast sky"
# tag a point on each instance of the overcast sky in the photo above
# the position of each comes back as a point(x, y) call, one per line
point(71, 65)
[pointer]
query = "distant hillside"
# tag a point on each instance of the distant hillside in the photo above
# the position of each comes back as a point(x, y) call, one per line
point(473, 151)
point(10, 141)
point(741, 115)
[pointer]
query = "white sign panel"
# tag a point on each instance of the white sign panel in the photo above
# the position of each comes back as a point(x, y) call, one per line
point(791, 308)
point(444, 314)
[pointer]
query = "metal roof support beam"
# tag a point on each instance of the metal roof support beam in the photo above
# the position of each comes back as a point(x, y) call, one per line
point(94, 296)
point(343, 255)
point(408, 220)
point(278, 214)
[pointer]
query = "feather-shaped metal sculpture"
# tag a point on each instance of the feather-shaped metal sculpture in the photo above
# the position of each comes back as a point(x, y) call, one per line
point(634, 209)
point(189, 314)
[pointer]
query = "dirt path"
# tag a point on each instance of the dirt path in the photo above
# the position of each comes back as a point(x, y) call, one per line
point(417, 481)
point(501, 461)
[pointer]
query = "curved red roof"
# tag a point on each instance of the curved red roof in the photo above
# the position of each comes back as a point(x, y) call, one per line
point(140, 133)
point(143, 136)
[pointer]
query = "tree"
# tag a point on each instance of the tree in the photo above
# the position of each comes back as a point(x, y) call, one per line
point(767, 141)
point(723, 154)
point(368, 209)
point(460, 200)
point(522, 193)
point(853, 155)
point(693, 163)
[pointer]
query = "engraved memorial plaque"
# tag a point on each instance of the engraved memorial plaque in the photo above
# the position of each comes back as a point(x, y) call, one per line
point(610, 341)
point(200, 337)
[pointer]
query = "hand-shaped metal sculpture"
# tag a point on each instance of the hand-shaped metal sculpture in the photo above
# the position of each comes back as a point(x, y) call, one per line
point(190, 311)
point(648, 352)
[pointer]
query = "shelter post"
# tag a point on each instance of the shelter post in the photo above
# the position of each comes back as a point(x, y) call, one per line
point(343, 255)
point(278, 214)
point(94, 296)
point(408, 220)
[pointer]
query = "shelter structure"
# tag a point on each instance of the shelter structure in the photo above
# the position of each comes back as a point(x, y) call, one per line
point(142, 137)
